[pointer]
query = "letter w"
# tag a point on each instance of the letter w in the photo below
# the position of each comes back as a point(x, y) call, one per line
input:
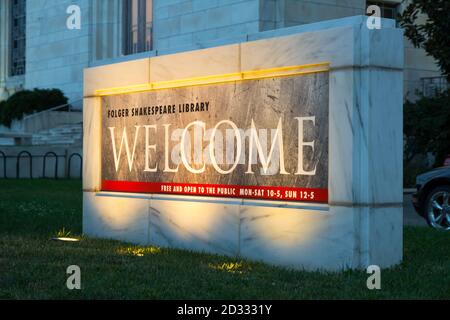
point(124, 140)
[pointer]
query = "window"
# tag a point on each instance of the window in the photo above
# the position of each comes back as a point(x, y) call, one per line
point(432, 86)
point(138, 24)
point(17, 42)
point(388, 10)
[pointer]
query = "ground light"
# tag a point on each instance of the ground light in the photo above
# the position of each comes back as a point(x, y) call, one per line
point(66, 239)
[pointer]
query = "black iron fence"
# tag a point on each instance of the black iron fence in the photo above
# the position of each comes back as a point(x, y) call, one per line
point(67, 158)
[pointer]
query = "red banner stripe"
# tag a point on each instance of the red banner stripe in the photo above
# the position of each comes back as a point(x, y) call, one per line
point(217, 190)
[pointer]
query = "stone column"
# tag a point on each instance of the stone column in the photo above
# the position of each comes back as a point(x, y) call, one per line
point(106, 38)
point(4, 32)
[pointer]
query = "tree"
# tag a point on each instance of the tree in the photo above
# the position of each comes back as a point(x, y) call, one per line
point(427, 121)
point(433, 34)
point(427, 127)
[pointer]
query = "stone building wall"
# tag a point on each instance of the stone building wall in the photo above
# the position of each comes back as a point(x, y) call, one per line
point(56, 56)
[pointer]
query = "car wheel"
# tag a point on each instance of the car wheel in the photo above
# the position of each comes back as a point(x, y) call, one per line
point(437, 208)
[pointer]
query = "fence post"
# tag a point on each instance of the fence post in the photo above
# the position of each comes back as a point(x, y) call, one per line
point(56, 163)
point(81, 163)
point(66, 164)
point(4, 164)
point(18, 163)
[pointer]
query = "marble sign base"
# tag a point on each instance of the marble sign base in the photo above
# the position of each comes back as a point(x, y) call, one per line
point(362, 223)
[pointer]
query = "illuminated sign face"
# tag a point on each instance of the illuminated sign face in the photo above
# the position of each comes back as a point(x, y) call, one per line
point(261, 139)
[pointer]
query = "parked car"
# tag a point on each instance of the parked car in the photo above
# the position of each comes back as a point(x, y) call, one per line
point(432, 199)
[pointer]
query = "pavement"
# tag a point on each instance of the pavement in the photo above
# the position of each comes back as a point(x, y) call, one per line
point(410, 216)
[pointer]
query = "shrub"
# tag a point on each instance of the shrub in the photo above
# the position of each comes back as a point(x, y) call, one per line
point(427, 127)
point(2, 111)
point(411, 170)
point(28, 102)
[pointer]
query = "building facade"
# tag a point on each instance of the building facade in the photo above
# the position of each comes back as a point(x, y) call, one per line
point(42, 47)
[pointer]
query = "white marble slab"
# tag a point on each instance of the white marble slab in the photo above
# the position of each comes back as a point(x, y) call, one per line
point(385, 107)
point(385, 236)
point(383, 48)
point(121, 218)
point(305, 239)
point(91, 144)
point(366, 140)
point(123, 74)
point(334, 45)
point(341, 131)
point(198, 63)
point(202, 226)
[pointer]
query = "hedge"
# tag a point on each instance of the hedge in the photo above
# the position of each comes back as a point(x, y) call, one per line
point(29, 101)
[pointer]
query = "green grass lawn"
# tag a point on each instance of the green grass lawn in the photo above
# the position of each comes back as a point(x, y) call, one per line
point(32, 266)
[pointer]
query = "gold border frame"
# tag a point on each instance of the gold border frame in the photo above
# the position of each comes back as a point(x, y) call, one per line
point(197, 81)
point(215, 79)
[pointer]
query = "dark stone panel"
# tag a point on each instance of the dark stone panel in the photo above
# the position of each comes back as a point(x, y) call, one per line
point(264, 101)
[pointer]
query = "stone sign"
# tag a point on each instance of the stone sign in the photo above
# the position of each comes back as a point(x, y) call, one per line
point(284, 148)
point(260, 138)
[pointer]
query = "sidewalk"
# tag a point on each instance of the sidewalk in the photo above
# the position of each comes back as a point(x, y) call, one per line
point(410, 216)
